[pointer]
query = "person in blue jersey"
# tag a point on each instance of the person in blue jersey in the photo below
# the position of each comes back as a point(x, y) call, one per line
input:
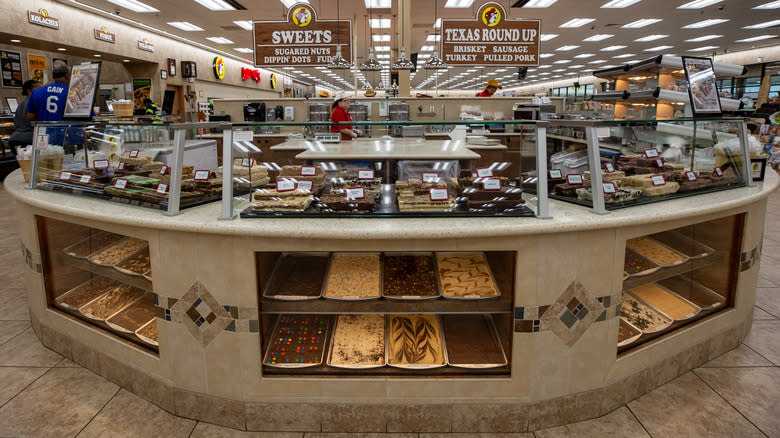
point(47, 103)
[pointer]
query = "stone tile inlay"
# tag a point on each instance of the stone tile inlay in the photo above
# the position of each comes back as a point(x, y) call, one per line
point(201, 314)
point(572, 313)
point(528, 319)
point(747, 260)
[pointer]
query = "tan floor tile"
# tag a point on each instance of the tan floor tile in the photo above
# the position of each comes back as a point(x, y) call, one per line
point(742, 356)
point(67, 363)
point(764, 338)
point(358, 435)
point(768, 299)
point(687, 407)
point(477, 435)
point(755, 392)
point(619, 423)
point(763, 282)
point(206, 430)
point(760, 314)
point(13, 305)
point(14, 379)
point(129, 416)
point(26, 350)
point(57, 405)
point(9, 329)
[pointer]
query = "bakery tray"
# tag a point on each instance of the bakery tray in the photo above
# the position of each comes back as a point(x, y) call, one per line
point(412, 297)
point(276, 277)
point(388, 356)
point(683, 258)
point(65, 301)
point(147, 340)
point(630, 253)
point(352, 298)
point(664, 310)
point(274, 334)
point(71, 250)
point(664, 323)
point(696, 293)
point(148, 275)
point(128, 297)
point(684, 244)
point(467, 297)
point(634, 333)
point(493, 335)
point(124, 321)
point(95, 259)
point(121, 266)
point(355, 366)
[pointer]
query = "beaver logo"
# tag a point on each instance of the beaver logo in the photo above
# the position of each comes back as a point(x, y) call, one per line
point(491, 16)
point(273, 81)
point(302, 16)
point(219, 67)
point(44, 13)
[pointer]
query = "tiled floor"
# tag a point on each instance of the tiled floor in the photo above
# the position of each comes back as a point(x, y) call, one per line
point(44, 395)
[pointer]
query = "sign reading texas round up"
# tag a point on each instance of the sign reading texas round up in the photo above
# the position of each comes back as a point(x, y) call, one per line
point(491, 39)
point(301, 40)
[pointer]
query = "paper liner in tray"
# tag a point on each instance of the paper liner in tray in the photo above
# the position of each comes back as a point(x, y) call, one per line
point(357, 276)
point(431, 283)
point(127, 266)
point(284, 349)
point(416, 337)
point(97, 241)
point(85, 292)
point(345, 324)
point(472, 341)
point(482, 278)
point(299, 271)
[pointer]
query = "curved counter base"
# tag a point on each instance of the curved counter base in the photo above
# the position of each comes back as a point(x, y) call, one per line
point(556, 375)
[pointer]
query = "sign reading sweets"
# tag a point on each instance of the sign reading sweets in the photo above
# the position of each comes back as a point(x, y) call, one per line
point(301, 40)
point(491, 39)
point(104, 35)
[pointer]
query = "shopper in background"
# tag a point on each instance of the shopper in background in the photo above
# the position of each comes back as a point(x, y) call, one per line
point(339, 112)
point(23, 133)
point(153, 110)
point(47, 103)
point(490, 88)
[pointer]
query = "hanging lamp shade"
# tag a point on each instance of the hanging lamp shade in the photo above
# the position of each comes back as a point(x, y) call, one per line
point(403, 63)
point(338, 62)
point(435, 63)
point(371, 63)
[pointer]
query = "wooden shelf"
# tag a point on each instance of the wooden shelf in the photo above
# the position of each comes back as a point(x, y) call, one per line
point(324, 370)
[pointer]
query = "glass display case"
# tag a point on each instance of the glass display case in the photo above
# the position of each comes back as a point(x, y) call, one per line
point(401, 314)
point(646, 161)
point(422, 170)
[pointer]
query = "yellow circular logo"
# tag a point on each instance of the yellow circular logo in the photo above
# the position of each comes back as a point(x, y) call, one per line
point(302, 16)
point(44, 13)
point(273, 81)
point(219, 67)
point(491, 16)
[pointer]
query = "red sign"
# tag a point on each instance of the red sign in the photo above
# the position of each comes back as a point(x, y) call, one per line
point(250, 73)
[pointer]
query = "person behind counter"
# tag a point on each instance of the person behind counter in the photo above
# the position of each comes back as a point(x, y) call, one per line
point(23, 131)
point(339, 112)
point(153, 110)
point(490, 88)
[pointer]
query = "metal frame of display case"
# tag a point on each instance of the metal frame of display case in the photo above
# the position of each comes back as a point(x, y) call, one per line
point(229, 144)
point(594, 160)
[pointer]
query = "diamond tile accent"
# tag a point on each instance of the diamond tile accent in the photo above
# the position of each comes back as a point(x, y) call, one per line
point(201, 314)
point(572, 313)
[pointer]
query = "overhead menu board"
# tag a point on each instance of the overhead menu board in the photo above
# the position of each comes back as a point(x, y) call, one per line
point(301, 40)
point(491, 39)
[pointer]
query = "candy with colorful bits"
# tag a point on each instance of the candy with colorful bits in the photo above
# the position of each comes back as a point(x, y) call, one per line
point(635, 263)
point(298, 340)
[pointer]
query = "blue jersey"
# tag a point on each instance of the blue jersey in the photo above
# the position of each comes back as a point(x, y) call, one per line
point(48, 102)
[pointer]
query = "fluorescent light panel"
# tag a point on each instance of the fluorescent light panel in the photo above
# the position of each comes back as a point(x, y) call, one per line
point(379, 4)
point(426, 49)
point(705, 23)
point(548, 36)
point(658, 48)
point(612, 48)
point(620, 3)
point(585, 55)
point(215, 5)
point(539, 3)
point(641, 23)
point(381, 38)
point(566, 48)
point(625, 55)
point(134, 5)
point(702, 49)
point(770, 5)
point(244, 24)
point(433, 37)
point(703, 38)
point(219, 40)
point(379, 23)
point(756, 38)
point(288, 3)
point(698, 4)
point(437, 23)
point(763, 25)
point(577, 22)
point(599, 37)
point(650, 38)
point(458, 3)
point(184, 25)
point(546, 55)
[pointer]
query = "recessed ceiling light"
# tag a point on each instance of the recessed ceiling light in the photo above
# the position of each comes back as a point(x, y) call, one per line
point(134, 5)
point(625, 55)
point(703, 38)
point(379, 23)
point(186, 26)
point(559, 70)
point(458, 3)
point(62, 49)
point(16, 41)
point(658, 48)
point(96, 55)
point(770, 5)
point(546, 55)
point(378, 4)
point(547, 36)
point(650, 38)
point(125, 60)
point(620, 3)
point(382, 37)
point(599, 37)
point(382, 48)
point(382, 56)
point(562, 61)
point(763, 25)
point(219, 40)
point(612, 48)
point(609, 66)
point(433, 37)
point(705, 23)
point(216, 5)
point(426, 49)
point(698, 4)
point(539, 3)
point(756, 38)
point(437, 23)
point(585, 55)
point(577, 22)
point(244, 24)
point(598, 61)
point(702, 49)
point(641, 23)
point(244, 50)
point(544, 66)
point(566, 48)
point(577, 66)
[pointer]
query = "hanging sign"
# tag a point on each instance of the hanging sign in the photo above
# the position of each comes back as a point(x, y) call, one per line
point(491, 39)
point(41, 18)
point(103, 34)
point(145, 45)
point(301, 39)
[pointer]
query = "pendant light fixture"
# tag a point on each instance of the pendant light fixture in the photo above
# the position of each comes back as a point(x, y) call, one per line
point(402, 63)
point(435, 63)
point(338, 62)
point(371, 63)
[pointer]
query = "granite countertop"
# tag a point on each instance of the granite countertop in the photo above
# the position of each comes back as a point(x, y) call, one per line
point(566, 217)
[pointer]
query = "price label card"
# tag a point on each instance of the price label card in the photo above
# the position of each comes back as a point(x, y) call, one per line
point(285, 185)
point(430, 177)
point(556, 174)
point(305, 185)
point(659, 163)
point(121, 165)
point(355, 193)
point(85, 178)
point(248, 162)
point(717, 171)
point(308, 170)
point(65, 175)
point(609, 188)
point(484, 172)
point(493, 184)
point(438, 194)
point(609, 167)
point(43, 142)
point(121, 183)
point(164, 170)
point(242, 135)
point(651, 153)
point(691, 175)
point(473, 174)
point(658, 180)
point(100, 164)
point(162, 188)
point(202, 175)
point(574, 179)
point(365, 174)
point(134, 153)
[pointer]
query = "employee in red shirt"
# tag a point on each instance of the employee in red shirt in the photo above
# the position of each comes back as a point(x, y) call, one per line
point(490, 88)
point(339, 112)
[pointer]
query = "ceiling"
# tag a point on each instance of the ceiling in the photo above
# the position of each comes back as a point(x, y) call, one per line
point(557, 64)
